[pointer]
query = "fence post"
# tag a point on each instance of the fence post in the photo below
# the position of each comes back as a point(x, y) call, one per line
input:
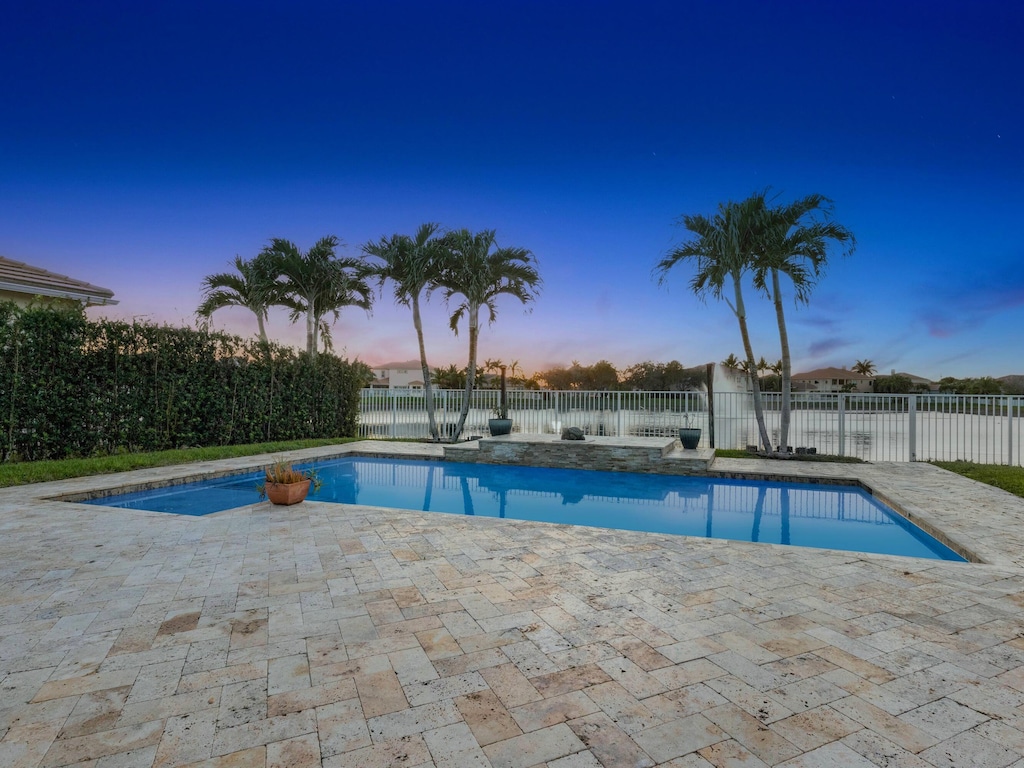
point(842, 424)
point(1009, 430)
point(912, 425)
point(618, 414)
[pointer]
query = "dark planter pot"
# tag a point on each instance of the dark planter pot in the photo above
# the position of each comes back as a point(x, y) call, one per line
point(499, 427)
point(689, 437)
point(287, 493)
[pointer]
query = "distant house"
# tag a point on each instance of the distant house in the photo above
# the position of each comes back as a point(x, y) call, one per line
point(832, 380)
point(404, 375)
point(22, 284)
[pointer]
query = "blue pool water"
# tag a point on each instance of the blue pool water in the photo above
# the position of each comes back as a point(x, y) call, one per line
point(801, 514)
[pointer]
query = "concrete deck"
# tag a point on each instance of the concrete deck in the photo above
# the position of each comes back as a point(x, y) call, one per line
point(337, 635)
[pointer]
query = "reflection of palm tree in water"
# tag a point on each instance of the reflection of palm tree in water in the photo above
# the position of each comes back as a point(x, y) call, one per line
point(711, 508)
point(467, 497)
point(755, 531)
point(784, 510)
point(428, 492)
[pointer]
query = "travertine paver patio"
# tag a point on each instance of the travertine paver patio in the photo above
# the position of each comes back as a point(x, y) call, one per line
point(350, 636)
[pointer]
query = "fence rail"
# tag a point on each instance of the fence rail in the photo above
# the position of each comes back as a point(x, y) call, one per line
point(988, 429)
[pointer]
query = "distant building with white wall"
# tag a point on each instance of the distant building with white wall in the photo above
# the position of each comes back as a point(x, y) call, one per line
point(402, 375)
point(832, 380)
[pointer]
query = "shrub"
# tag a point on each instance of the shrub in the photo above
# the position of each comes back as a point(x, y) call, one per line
point(75, 387)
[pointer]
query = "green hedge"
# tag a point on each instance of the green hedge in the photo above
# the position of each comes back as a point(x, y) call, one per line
point(70, 386)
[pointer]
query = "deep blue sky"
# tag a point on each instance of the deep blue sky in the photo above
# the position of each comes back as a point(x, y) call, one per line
point(142, 147)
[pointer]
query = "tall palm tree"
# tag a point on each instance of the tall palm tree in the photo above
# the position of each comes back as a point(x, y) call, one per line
point(722, 250)
point(865, 367)
point(317, 283)
point(731, 361)
point(253, 286)
point(479, 271)
point(794, 239)
point(411, 264)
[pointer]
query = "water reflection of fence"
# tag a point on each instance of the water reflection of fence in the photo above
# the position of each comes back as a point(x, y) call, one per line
point(982, 428)
point(676, 494)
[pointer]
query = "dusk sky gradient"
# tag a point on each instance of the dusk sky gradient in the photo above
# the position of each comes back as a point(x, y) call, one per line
point(144, 145)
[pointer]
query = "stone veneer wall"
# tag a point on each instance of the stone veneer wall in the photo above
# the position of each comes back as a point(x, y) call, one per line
point(585, 454)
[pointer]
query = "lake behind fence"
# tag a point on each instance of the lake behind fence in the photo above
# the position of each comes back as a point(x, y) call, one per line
point(988, 429)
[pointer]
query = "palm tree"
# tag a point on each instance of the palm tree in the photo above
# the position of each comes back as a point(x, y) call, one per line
point(731, 361)
point(722, 251)
point(495, 366)
point(865, 367)
point(479, 271)
point(794, 240)
point(514, 369)
point(318, 283)
point(449, 378)
point(411, 264)
point(253, 287)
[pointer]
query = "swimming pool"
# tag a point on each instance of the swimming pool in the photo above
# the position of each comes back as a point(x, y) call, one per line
point(799, 514)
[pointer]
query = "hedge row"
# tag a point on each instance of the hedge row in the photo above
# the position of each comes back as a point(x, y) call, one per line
point(70, 386)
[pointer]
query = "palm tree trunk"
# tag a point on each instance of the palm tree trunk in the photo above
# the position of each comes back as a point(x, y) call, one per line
point(310, 331)
point(263, 330)
point(474, 313)
point(428, 392)
point(741, 316)
point(786, 364)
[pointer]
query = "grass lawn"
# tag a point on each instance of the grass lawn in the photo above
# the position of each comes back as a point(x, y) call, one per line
point(22, 472)
point(1008, 478)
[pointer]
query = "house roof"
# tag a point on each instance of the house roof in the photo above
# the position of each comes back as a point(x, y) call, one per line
point(831, 373)
point(400, 366)
point(18, 277)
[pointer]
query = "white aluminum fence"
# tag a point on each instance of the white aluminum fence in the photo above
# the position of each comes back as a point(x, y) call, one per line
point(983, 428)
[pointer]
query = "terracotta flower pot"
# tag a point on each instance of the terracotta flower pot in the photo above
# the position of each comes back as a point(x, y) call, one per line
point(287, 493)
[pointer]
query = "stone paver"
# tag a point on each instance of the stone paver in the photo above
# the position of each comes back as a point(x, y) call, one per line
point(338, 636)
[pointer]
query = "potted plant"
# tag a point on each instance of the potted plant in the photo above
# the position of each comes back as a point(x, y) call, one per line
point(502, 425)
point(283, 484)
point(689, 436)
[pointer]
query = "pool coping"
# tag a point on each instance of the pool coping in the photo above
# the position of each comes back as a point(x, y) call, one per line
point(979, 522)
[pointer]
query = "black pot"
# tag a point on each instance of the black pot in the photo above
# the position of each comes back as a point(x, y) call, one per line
point(689, 437)
point(499, 426)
